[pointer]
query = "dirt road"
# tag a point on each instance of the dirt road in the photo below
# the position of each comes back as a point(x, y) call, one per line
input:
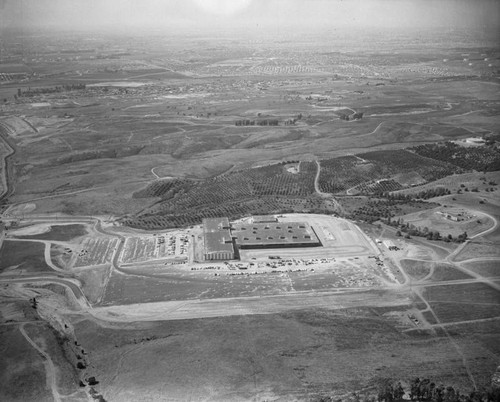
point(50, 369)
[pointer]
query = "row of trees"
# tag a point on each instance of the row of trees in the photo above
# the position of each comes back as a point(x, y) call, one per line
point(354, 116)
point(423, 195)
point(470, 158)
point(265, 122)
point(427, 390)
point(422, 390)
point(38, 91)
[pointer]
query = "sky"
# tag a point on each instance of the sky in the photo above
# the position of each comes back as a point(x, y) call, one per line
point(205, 14)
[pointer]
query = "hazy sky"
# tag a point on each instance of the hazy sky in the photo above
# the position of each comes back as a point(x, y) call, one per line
point(81, 14)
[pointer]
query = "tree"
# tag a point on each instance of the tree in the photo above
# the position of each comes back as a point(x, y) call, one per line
point(386, 392)
point(398, 392)
point(415, 389)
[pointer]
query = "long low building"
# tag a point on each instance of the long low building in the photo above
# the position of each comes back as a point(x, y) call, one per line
point(274, 235)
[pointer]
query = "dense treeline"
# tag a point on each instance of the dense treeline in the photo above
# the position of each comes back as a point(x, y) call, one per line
point(382, 209)
point(469, 158)
point(370, 172)
point(262, 190)
point(264, 122)
point(104, 153)
point(164, 189)
point(423, 195)
point(51, 90)
point(421, 390)
point(263, 205)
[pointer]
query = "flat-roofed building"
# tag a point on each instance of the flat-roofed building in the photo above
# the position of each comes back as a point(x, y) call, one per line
point(218, 243)
point(215, 224)
point(218, 246)
point(274, 235)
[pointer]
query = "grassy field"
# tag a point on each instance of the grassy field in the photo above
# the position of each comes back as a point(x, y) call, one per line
point(416, 269)
point(93, 281)
point(50, 341)
point(454, 303)
point(59, 233)
point(22, 372)
point(169, 283)
point(296, 355)
point(17, 256)
point(447, 272)
point(186, 285)
point(483, 248)
point(489, 269)
point(484, 334)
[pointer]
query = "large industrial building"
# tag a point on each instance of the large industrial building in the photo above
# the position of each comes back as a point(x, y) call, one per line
point(274, 235)
point(222, 239)
point(218, 240)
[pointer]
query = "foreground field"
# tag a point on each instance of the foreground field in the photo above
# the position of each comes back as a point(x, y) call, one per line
point(297, 355)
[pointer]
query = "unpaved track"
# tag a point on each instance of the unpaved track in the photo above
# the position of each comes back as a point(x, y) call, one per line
point(190, 309)
point(450, 338)
point(419, 285)
point(5, 167)
point(326, 195)
point(50, 369)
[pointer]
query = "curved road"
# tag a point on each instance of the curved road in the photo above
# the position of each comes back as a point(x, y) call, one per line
point(6, 185)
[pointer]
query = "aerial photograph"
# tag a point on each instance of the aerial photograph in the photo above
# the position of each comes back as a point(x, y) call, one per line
point(249, 200)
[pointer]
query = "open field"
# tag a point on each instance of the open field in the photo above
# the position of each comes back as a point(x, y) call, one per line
point(447, 272)
point(55, 232)
point(454, 303)
point(483, 333)
point(416, 269)
point(489, 269)
point(295, 355)
point(482, 248)
point(22, 372)
point(20, 256)
point(169, 283)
